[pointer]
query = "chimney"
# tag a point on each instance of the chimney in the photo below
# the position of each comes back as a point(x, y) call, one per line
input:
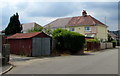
point(84, 13)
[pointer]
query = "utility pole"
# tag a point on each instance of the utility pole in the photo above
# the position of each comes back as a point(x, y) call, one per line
point(105, 24)
point(105, 19)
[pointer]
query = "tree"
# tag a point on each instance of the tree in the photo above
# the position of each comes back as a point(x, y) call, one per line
point(14, 25)
point(110, 38)
point(48, 30)
point(36, 29)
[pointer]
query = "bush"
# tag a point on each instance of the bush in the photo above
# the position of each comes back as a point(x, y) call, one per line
point(68, 41)
point(93, 40)
point(114, 43)
point(35, 29)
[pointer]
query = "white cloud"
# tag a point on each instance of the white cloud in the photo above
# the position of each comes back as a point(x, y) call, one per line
point(40, 20)
point(44, 13)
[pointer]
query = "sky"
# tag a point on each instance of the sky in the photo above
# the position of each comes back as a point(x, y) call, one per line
point(44, 12)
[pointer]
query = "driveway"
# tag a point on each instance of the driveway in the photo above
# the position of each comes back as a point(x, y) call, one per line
point(104, 62)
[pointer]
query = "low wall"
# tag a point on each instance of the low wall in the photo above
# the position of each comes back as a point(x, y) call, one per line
point(102, 46)
point(106, 45)
point(5, 53)
point(109, 45)
point(92, 46)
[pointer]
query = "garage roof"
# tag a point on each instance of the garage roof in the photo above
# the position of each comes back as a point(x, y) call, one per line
point(24, 35)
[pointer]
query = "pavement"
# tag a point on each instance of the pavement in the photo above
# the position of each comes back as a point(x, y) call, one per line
point(14, 59)
point(17, 58)
point(4, 69)
point(102, 62)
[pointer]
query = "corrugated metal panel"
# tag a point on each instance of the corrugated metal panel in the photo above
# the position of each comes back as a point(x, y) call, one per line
point(36, 47)
point(23, 35)
point(41, 46)
point(27, 35)
point(21, 46)
point(46, 46)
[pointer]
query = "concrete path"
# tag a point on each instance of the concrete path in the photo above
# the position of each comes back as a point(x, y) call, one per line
point(104, 62)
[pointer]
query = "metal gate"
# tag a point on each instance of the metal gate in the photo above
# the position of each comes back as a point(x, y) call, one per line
point(41, 46)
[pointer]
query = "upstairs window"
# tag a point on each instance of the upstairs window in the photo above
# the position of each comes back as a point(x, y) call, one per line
point(72, 29)
point(88, 28)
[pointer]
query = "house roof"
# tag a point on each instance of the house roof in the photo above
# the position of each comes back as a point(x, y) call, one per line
point(81, 20)
point(75, 21)
point(61, 22)
point(23, 35)
point(112, 34)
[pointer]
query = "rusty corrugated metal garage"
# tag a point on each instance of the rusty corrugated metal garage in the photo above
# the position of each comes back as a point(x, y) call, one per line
point(29, 44)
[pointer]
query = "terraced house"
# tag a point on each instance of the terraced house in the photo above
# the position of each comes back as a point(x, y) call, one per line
point(85, 24)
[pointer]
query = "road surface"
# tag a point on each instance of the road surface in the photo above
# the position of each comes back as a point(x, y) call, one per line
point(104, 62)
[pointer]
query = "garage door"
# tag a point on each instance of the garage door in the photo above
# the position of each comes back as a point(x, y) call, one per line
point(41, 46)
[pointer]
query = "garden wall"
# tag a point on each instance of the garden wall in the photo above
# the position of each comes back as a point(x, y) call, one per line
point(92, 46)
point(5, 53)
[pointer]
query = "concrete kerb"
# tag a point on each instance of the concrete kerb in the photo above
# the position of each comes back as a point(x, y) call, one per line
point(11, 66)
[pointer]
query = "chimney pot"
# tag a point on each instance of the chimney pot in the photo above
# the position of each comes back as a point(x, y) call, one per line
point(84, 13)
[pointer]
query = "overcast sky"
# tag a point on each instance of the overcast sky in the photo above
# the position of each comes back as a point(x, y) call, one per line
point(45, 12)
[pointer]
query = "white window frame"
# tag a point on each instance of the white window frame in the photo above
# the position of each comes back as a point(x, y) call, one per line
point(72, 29)
point(86, 28)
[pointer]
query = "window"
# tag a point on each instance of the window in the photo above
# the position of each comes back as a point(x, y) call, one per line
point(72, 29)
point(89, 35)
point(87, 28)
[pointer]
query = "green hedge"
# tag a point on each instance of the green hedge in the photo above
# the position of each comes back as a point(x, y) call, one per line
point(68, 41)
point(114, 43)
point(93, 40)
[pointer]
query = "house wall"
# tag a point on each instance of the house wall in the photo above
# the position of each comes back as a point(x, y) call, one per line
point(99, 30)
point(81, 29)
point(20, 46)
point(29, 26)
point(77, 29)
point(102, 32)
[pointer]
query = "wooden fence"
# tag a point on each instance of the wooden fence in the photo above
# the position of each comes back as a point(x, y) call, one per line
point(93, 46)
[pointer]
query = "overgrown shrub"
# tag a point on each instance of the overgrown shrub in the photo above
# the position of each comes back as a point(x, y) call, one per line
point(68, 41)
point(114, 43)
point(93, 40)
point(35, 29)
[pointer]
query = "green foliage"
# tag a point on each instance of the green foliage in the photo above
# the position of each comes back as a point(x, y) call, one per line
point(14, 25)
point(114, 43)
point(36, 29)
point(93, 40)
point(68, 41)
point(48, 31)
point(110, 38)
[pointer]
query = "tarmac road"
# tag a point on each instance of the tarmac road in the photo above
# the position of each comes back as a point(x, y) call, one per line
point(104, 62)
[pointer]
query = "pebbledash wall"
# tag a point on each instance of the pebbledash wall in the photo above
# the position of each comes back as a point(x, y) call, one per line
point(100, 31)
